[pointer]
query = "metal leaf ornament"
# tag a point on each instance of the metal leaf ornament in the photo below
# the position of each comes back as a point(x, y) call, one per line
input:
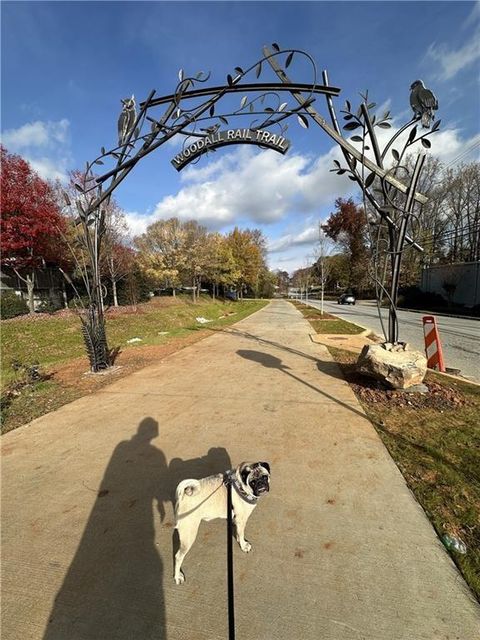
point(126, 121)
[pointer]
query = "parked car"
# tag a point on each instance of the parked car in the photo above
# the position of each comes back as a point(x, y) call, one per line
point(346, 298)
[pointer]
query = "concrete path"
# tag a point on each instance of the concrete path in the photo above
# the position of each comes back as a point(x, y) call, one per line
point(341, 549)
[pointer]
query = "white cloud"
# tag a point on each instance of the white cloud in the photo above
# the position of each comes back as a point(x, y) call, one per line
point(452, 61)
point(261, 187)
point(474, 15)
point(307, 236)
point(36, 134)
point(49, 169)
point(45, 145)
point(447, 144)
point(138, 223)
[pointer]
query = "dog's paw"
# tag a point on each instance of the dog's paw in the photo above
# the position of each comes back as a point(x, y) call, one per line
point(180, 579)
point(246, 547)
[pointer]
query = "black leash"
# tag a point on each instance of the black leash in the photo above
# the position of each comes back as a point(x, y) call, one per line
point(231, 600)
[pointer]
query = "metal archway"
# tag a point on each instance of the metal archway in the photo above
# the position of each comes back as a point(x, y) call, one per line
point(391, 198)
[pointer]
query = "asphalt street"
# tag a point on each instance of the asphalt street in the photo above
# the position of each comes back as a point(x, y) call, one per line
point(460, 337)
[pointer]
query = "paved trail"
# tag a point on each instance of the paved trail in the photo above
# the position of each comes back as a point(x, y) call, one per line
point(341, 549)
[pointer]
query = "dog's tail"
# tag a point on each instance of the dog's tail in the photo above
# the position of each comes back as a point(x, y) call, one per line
point(185, 488)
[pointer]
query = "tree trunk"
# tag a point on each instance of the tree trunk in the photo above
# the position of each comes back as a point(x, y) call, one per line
point(323, 285)
point(30, 282)
point(114, 289)
point(30, 287)
point(64, 294)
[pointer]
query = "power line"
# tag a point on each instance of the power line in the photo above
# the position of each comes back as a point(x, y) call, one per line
point(463, 231)
point(464, 153)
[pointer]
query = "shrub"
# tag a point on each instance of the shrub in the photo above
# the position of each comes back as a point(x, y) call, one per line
point(75, 303)
point(48, 306)
point(12, 305)
point(412, 297)
point(133, 289)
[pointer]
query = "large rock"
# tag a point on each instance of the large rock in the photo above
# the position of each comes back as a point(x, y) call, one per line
point(394, 364)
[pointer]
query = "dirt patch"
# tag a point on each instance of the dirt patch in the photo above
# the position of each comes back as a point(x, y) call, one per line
point(128, 360)
point(370, 391)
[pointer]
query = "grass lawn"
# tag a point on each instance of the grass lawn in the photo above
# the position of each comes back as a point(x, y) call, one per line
point(55, 342)
point(326, 323)
point(435, 441)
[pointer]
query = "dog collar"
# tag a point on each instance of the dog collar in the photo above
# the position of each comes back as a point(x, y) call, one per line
point(230, 477)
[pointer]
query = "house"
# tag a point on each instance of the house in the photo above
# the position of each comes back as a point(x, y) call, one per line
point(49, 286)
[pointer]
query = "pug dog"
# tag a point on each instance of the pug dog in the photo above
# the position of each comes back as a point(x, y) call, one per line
point(206, 499)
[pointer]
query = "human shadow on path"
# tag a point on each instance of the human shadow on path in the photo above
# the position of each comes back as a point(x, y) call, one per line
point(272, 362)
point(113, 589)
point(325, 366)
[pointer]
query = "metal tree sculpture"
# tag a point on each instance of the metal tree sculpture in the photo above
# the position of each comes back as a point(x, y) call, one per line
point(392, 209)
point(191, 111)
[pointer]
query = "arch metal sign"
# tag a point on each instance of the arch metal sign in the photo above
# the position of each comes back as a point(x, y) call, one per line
point(387, 185)
point(264, 139)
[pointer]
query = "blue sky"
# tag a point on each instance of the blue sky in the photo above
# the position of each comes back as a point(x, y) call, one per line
point(66, 65)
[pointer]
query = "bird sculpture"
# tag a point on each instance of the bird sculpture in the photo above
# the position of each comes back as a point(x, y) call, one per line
point(127, 119)
point(210, 131)
point(423, 103)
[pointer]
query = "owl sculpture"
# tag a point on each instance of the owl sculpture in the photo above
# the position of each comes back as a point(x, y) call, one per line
point(127, 119)
point(423, 103)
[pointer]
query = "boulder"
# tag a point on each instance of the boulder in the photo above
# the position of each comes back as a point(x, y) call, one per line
point(396, 365)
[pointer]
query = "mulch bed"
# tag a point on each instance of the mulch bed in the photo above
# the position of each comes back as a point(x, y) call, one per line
point(371, 391)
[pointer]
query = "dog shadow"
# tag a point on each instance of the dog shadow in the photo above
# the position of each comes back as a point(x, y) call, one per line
point(113, 588)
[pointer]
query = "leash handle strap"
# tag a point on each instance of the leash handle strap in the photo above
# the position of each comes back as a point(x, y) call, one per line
point(231, 600)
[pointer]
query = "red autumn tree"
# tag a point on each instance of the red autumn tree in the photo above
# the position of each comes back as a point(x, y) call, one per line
point(347, 226)
point(31, 223)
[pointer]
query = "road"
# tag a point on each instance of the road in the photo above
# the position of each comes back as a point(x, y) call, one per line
point(460, 337)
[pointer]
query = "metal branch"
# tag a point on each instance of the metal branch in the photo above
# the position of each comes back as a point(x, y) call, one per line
point(338, 138)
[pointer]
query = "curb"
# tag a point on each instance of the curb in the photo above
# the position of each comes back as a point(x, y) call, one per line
point(436, 313)
point(453, 377)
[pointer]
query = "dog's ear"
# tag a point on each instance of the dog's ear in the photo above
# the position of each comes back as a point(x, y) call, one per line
point(244, 473)
point(266, 465)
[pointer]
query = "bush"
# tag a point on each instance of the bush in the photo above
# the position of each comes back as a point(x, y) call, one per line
point(75, 303)
point(413, 298)
point(12, 305)
point(133, 289)
point(48, 306)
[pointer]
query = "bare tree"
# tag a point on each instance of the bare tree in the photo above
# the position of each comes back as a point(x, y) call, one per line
point(116, 258)
point(322, 264)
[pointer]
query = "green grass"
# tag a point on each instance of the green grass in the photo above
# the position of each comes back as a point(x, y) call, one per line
point(34, 400)
point(326, 323)
point(437, 451)
point(56, 340)
point(335, 326)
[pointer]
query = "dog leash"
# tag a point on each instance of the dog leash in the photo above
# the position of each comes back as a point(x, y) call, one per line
point(231, 599)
